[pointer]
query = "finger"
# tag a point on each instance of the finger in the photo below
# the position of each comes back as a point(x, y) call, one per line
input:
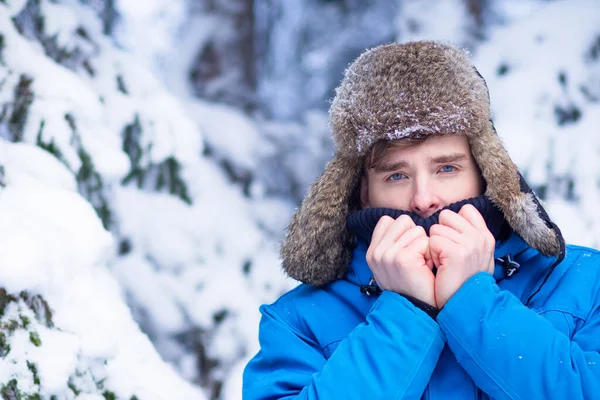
point(435, 258)
point(429, 260)
point(384, 237)
point(402, 246)
point(421, 245)
point(457, 222)
point(440, 248)
point(410, 236)
point(380, 229)
point(396, 230)
point(473, 216)
point(434, 252)
point(447, 232)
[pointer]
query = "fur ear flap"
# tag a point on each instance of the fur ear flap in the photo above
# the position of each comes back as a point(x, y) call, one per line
point(507, 190)
point(317, 247)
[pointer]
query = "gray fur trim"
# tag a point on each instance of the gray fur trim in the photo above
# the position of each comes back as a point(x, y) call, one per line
point(526, 222)
point(316, 249)
point(400, 91)
point(503, 188)
point(396, 91)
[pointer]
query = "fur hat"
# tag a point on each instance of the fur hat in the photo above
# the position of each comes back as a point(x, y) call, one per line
point(397, 91)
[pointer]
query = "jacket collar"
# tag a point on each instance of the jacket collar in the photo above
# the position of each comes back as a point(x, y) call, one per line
point(362, 223)
point(514, 246)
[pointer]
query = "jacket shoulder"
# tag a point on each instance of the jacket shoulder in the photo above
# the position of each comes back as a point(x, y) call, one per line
point(287, 301)
point(304, 297)
point(575, 250)
point(289, 308)
point(321, 314)
point(575, 284)
point(582, 262)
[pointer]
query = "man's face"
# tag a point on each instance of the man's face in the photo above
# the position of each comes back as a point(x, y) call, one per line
point(423, 178)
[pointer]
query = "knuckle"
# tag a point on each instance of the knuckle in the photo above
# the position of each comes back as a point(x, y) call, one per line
point(445, 216)
point(377, 254)
point(468, 209)
point(382, 223)
point(385, 219)
point(481, 238)
point(399, 262)
point(420, 230)
point(463, 252)
point(388, 258)
point(405, 219)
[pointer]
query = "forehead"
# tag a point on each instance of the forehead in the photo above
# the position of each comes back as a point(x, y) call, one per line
point(434, 146)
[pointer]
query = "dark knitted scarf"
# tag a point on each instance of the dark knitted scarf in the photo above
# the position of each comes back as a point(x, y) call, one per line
point(362, 223)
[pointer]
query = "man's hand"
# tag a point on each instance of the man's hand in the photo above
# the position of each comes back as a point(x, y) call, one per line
point(461, 246)
point(399, 258)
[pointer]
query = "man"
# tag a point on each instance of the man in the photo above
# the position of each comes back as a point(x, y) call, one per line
point(431, 270)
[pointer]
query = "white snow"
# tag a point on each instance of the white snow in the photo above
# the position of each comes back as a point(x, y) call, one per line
point(524, 101)
point(443, 19)
point(34, 166)
point(53, 244)
point(186, 262)
point(231, 133)
point(193, 275)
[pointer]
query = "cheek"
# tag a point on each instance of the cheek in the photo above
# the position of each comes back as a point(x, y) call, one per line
point(457, 190)
point(388, 196)
point(471, 186)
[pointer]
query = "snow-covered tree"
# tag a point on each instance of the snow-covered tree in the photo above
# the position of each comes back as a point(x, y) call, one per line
point(108, 199)
point(152, 152)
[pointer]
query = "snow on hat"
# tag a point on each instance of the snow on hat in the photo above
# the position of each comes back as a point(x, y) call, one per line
point(399, 91)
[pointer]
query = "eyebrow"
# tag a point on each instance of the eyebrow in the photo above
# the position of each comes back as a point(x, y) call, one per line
point(449, 158)
point(443, 159)
point(389, 167)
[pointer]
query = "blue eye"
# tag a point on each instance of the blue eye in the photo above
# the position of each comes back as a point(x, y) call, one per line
point(448, 168)
point(397, 176)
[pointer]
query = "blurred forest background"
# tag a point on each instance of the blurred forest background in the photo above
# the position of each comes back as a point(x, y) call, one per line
point(152, 153)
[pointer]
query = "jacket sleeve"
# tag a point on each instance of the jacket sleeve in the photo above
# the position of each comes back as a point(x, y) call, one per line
point(390, 356)
point(511, 352)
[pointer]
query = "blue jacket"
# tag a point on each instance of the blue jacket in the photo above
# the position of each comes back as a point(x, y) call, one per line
point(335, 342)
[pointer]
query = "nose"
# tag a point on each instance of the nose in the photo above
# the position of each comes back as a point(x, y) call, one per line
point(425, 201)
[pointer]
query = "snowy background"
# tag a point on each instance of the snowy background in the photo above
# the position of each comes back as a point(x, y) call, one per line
point(151, 154)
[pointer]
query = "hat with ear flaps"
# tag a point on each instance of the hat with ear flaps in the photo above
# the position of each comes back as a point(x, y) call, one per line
point(399, 91)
